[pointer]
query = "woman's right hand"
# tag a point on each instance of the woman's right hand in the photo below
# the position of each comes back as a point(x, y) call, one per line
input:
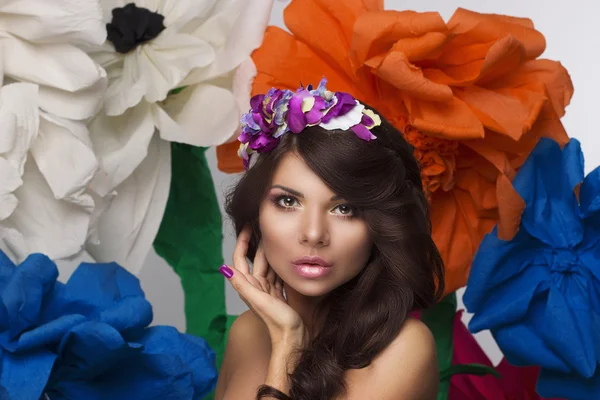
point(262, 291)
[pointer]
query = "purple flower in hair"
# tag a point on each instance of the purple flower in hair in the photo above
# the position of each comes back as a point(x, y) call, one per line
point(343, 103)
point(305, 109)
point(280, 111)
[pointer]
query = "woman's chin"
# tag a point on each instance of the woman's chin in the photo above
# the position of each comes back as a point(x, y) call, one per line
point(311, 288)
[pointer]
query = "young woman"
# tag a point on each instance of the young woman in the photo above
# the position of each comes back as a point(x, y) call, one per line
point(332, 212)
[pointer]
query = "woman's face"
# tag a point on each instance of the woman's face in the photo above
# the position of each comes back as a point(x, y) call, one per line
point(313, 239)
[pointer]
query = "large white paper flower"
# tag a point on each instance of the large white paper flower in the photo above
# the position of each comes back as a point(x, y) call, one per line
point(46, 159)
point(46, 163)
point(38, 44)
point(172, 66)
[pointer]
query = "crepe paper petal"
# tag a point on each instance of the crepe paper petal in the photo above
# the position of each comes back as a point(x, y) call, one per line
point(169, 59)
point(10, 182)
point(19, 118)
point(189, 240)
point(235, 29)
point(24, 376)
point(63, 152)
point(21, 60)
point(19, 121)
point(543, 286)
point(568, 386)
point(56, 227)
point(589, 195)
point(128, 228)
point(62, 21)
point(49, 161)
point(508, 381)
point(121, 144)
point(183, 118)
point(242, 88)
point(137, 370)
point(79, 105)
point(89, 338)
point(473, 102)
point(553, 173)
point(198, 44)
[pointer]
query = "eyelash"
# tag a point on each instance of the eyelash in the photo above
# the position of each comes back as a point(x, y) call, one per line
point(276, 200)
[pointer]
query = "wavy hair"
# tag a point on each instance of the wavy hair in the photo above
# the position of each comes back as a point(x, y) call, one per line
point(381, 178)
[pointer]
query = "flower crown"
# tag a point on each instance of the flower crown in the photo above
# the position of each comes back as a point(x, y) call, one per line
point(281, 111)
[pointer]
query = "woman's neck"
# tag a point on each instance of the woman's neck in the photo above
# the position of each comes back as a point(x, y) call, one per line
point(305, 306)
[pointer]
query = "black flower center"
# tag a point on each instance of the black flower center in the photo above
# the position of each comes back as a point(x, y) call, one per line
point(132, 25)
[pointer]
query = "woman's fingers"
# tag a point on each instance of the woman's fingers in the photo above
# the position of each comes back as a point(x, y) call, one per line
point(260, 264)
point(241, 249)
point(271, 276)
point(278, 289)
point(254, 297)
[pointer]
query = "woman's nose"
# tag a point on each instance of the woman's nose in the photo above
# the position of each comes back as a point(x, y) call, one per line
point(314, 231)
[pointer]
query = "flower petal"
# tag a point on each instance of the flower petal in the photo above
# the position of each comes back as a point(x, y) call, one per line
point(10, 182)
point(235, 30)
point(181, 12)
point(50, 226)
point(22, 297)
point(63, 153)
point(120, 143)
point(242, 88)
point(589, 194)
point(65, 66)
point(551, 212)
point(346, 121)
point(573, 386)
point(452, 120)
point(332, 22)
point(168, 59)
point(101, 285)
point(200, 115)
point(19, 121)
point(79, 105)
point(59, 21)
point(25, 375)
point(504, 113)
point(127, 230)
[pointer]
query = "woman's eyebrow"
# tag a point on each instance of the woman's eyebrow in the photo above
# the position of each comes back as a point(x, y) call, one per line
point(298, 194)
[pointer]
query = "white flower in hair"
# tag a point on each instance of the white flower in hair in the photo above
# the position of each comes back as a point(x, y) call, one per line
point(174, 69)
point(50, 87)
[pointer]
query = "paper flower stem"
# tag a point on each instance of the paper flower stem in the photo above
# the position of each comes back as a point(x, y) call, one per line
point(440, 319)
point(470, 369)
point(189, 239)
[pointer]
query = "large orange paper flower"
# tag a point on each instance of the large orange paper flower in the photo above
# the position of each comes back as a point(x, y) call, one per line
point(470, 95)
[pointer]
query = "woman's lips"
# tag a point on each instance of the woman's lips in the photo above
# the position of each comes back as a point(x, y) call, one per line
point(311, 270)
point(311, 266)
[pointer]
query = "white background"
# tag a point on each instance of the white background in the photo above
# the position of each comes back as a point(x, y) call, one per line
point(571, 31)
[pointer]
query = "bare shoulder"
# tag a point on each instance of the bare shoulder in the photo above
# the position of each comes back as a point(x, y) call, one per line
point(248, 326)
point(407, 368)
point(415, 339)
point(246, 358)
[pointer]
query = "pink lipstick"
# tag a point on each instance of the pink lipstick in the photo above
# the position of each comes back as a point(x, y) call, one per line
point(311, 267)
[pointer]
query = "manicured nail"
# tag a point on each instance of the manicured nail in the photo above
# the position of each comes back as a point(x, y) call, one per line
point(226, 271)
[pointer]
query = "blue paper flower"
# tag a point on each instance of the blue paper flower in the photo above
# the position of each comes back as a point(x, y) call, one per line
point(89, 338)
point(539, 293)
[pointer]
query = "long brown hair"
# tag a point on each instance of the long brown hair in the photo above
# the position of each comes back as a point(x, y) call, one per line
point(381, 178)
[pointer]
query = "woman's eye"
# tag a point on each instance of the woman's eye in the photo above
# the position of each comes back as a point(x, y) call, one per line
point(345, 210)
point(287, 201)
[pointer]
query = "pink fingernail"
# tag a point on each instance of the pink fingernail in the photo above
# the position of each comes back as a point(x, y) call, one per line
point(226, 271)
